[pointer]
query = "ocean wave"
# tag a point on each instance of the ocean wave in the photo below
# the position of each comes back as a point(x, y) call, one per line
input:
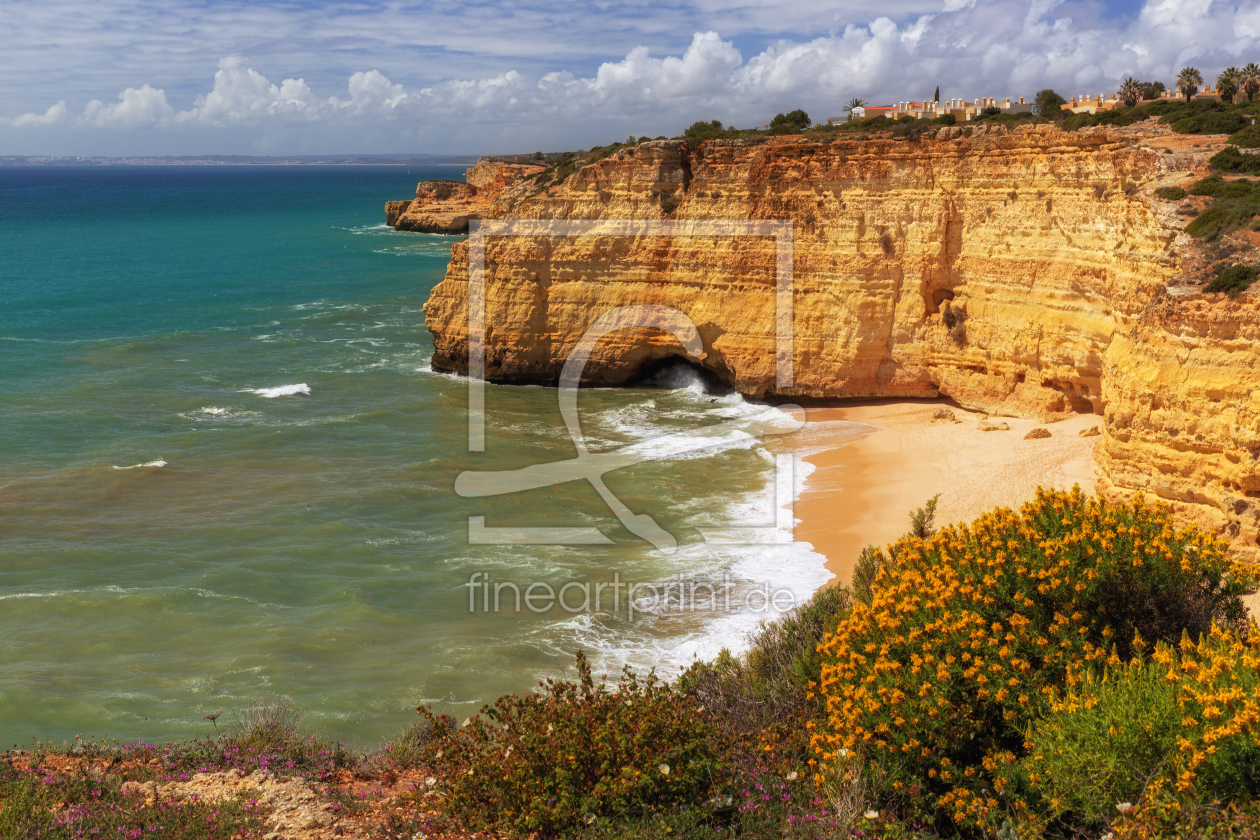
point(671, 638)
point(369, 230)
point(152, 590)
point(281, 391)
point(422, 249)
point(211, 413)
point(158, 464)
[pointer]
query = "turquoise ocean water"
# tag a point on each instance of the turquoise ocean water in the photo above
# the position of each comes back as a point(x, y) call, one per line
point(226, 469)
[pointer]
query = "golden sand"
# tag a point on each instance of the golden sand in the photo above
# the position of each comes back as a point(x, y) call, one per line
point(863, 490)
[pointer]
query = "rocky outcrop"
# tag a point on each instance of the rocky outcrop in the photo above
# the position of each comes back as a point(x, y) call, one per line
point(1023, 273)
point(446, 206)
point(394, 211)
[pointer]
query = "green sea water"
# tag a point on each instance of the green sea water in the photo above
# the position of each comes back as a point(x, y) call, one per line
point(227, 469)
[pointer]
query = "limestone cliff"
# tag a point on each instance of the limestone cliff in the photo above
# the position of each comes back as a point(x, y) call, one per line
point(1022, 273)
point(446, 206)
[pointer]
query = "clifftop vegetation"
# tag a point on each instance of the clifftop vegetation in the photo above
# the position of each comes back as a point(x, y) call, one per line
point(1070, 669)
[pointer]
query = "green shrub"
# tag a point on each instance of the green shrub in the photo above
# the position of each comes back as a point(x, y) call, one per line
point(1116, 117)
point(1221, 217)
point(1248, 138)
point(1103, 743)
point(1199, 116)
point(552, 761)
point(972, 633)
point(1170, 193)
point(793, 122)
point(701, 131)
point(772, 683)
point(1210, 186)
point(1241, 188)
point(1233, 279)
point(1163, 107)
point(419, 743)
point(1174, 723)
point(869, 562)
point(946, 119)
point(1231, 160)
point(1237, 202)
point(1211, 122)
point(1047, 103)
point(266, 725)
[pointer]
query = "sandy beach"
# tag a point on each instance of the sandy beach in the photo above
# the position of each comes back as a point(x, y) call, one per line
point(863, 490)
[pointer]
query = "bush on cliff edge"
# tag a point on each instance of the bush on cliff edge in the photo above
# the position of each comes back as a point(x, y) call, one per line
point(555, 760)
point(970, 636)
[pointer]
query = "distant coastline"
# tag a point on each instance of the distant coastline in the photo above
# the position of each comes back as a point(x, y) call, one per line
point(243, 160)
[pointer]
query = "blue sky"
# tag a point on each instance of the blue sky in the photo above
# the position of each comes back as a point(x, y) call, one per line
point(180, 77)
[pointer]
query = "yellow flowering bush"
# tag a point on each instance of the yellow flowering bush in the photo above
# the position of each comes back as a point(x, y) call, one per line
point(1184, 722)
point(972, 633)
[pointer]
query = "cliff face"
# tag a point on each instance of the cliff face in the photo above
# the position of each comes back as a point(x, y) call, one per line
point(446, 206)
point(1023, 273)
point(1182, 396)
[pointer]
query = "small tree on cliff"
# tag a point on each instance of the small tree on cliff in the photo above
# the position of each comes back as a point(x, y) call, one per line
point(1188, 81)
point(1047, 103)
point(701, 131)
point(793, 122)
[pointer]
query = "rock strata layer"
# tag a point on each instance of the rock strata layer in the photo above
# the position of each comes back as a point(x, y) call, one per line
point(1020, 273)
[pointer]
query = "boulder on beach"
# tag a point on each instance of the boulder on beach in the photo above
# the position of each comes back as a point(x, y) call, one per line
point(1037, 434)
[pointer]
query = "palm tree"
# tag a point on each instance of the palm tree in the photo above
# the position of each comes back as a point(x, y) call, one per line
point(853, 104)
point(1249, 80)
point(1188, 81)
point(1130, 91)
point(1227, 84)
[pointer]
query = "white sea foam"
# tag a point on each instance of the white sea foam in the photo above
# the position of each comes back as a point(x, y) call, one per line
point(215, 411)
point(670, 639)
point(371, 230)
point(281, 391)
point(158, 464)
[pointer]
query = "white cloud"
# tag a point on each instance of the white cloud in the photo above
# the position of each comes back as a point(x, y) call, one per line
point(136, 108)
point(242, 94)
point(371, 94)
point(970, 48)
point(55, 115)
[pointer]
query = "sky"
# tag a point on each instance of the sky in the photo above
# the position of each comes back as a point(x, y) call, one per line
point(288, 77)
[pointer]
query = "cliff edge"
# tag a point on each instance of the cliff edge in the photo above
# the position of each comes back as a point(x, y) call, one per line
point(446, 206)
point(1028, 273)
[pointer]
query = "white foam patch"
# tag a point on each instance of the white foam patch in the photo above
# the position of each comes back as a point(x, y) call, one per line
point(670, 639)
point(158, 464)
point(215, 411)
point(653, 434)
point(281, 391)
